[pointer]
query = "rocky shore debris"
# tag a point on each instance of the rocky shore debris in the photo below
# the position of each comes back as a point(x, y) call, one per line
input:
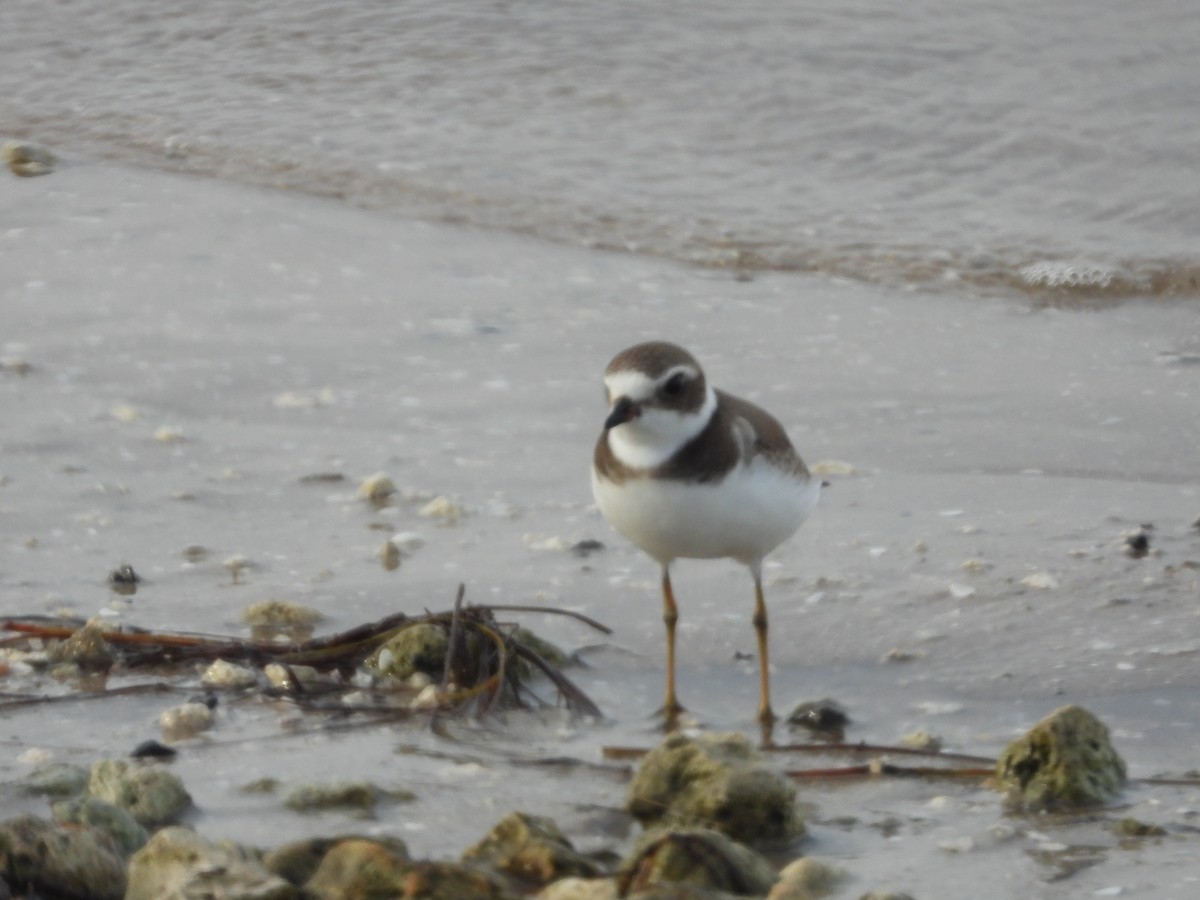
point(27, 159)
point(717, 781)
point(825, 719)
point(531, 849)
point(1064, 761)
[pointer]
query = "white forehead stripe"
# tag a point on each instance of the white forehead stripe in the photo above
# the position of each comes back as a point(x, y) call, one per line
point(637, 385)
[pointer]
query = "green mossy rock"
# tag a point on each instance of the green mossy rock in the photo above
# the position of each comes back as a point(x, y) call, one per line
point(418, 648)
point(359, 870)
point(298, 861)
point(178, 864)
point(695, 857)
point(453, 881)
point(1064, 761)
point(149, 793)
point(45, 858)
point(114, 821)
point(716, 781)
point(530, 848)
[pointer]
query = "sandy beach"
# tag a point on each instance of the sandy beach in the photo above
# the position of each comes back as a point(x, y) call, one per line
point(194, 349)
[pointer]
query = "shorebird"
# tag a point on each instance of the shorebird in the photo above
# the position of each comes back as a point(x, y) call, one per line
point(684, 470)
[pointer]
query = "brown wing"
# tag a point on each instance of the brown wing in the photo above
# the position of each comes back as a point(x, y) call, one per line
point(766, 435)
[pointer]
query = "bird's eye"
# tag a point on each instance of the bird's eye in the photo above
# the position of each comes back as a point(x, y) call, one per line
point(674, 386)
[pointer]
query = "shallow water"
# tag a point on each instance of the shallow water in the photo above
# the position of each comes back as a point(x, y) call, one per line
point(280, 336)
point(1050, 150)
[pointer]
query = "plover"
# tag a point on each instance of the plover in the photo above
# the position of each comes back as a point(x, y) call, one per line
point(682, 469)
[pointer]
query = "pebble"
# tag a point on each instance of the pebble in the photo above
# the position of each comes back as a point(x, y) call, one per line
point(26, 159)
point(185, 721)
point(223, 674)
point(168, 435)
point(377, 488)
point(832, 467)
point(1042, 581)
point(444, 509)
point(961, 591)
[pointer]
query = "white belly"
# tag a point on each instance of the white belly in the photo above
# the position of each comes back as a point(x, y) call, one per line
point(744, 517)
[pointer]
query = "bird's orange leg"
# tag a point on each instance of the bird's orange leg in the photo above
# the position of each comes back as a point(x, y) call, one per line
point(671, 707)
point(765, 716)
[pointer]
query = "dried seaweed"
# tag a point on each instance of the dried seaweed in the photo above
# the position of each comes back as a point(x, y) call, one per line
point(481, 674)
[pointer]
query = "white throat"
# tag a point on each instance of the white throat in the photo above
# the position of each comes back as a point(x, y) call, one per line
point(654, 436)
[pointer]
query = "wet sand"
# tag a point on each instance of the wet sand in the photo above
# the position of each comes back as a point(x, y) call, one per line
point(276, 336)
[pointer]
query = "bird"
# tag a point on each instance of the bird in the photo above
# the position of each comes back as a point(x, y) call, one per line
point(684, 470)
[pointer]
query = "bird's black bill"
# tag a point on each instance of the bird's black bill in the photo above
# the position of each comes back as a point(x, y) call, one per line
point(623, 410)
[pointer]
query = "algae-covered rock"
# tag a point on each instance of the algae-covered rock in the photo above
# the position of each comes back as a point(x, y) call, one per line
point(418, 648)
point(1065, 760)
point(1130, 827)
point(531, 848)
point(114, 821)
point(806, 878)
point(272, 615)
point(697, 857)
point(87, 649)
point(57, 780)
point(45, 858)
point(27, 159)
point(149, 793)
point(359, 869)
point(453, 881)
point(352, 795)
point(716, 781)
point(298, 861)
point(579, 889)
point(178, 864)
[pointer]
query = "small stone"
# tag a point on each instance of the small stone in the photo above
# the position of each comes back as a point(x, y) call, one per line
point(148, 792)
point(86, 648)
point(922, 740)
point(123, 580)
point(290, 678)
point(806, 878)
point(228, 676)
point(185, 721)
point(16, 365)
point(56, 780)
point(359, 868)
point(586, 547)
point(452, 881)
point(26, 159)
point(195, 553)
point(1137, 542)
point(117, 823)
point(281, 614)
point(168, 435)
point(717, 781)
point(695, 857)
point(1042, 581)
point(444, 509)
point(961, 591)
point(376, 489)
point(389, 556)
point(579, 889)
point(825, 717)
point(297, 862)
point(354, 795)
point(153, 750)
point(237, 564)
point(178, 863)
point(832, 467)
point(407, 542)
point(126, 414)
point(976, 566)
point(1131, 827)
point(896, 655)
point(530, 848)
point(420, 647)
